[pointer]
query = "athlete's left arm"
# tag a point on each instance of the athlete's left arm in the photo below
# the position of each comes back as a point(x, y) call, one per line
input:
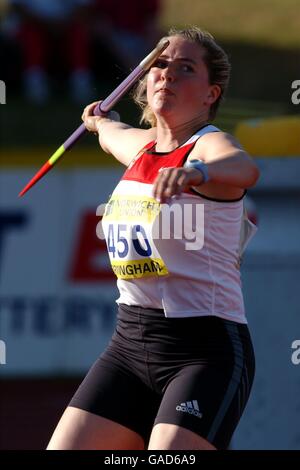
point(226, 161)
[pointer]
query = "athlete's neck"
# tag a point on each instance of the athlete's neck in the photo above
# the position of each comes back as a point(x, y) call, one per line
point(170, 137)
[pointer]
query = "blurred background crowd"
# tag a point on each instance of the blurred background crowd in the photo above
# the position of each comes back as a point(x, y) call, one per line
point(51, 38)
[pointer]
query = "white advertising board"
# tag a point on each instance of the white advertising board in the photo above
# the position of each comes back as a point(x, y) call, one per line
point(57, 290)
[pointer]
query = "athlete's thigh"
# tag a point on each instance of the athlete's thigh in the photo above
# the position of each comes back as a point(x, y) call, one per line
point(111, 394)
point(172, 437)
point(206, 400)
point(82, 430)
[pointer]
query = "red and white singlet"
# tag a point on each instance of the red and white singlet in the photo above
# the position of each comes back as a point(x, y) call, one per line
point(160, 272)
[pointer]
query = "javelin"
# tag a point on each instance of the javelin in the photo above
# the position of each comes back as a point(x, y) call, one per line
point(103, 107)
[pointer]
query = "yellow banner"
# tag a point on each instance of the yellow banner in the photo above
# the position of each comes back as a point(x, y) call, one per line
point(85, 157)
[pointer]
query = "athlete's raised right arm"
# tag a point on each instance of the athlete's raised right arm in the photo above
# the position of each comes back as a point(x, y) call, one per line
point(115, 137)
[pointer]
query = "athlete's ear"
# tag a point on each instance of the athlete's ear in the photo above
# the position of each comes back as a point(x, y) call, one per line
point(213, 94)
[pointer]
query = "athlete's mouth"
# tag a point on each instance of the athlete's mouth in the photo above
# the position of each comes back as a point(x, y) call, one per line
point(165, 91)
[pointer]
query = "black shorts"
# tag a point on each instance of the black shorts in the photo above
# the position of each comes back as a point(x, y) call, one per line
point(194, 372)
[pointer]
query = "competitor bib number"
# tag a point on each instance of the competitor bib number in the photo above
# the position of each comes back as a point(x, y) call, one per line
point(128, 222)
point(118, 243)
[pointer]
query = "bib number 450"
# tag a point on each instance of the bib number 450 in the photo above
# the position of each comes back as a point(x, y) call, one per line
point(117, 243)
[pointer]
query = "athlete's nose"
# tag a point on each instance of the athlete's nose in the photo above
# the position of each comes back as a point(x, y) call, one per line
point(168, 73)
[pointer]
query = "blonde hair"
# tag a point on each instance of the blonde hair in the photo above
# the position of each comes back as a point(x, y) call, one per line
point(215, 59)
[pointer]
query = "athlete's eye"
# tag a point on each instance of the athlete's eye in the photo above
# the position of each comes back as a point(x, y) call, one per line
point(187, 68)
point(161, 64)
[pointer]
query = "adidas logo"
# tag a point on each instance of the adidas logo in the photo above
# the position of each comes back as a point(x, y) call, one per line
point(190, 407)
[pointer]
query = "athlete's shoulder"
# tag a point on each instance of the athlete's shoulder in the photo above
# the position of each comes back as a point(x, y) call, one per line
point(216, 142)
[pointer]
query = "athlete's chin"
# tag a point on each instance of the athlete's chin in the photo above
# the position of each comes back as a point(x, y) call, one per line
point(163, 107)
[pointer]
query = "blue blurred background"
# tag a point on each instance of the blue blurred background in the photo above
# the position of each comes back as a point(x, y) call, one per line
point(57, 292)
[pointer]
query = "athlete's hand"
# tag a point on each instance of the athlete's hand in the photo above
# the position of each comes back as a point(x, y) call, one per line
point(172, 182)
point(91, 120)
